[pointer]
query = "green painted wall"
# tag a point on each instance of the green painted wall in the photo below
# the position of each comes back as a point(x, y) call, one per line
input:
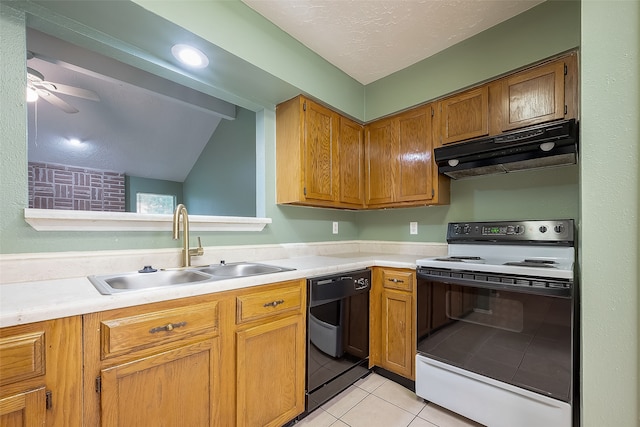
point(136, 184)
point(610, 212)
point(537, 194)
point(223, 179)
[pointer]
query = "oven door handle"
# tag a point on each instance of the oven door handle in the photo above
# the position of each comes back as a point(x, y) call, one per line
point(472, 283)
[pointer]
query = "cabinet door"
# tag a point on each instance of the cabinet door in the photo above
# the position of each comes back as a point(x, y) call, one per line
point(351, 161)
point(174, 388)
point(533, 96)
point(464, 116)
point(414, 176)
point(397, 333)
point(45, 354)
point(380, 162)
point(320, 128)
point(270, 366)
point(24, 410)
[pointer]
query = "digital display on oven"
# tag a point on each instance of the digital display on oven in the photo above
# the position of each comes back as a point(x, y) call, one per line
point(493, 231)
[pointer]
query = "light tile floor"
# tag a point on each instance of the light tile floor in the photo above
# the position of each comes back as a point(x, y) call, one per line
point(375, 401)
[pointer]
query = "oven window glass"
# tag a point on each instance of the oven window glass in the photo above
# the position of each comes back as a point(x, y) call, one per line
point(485, 307)
point(518, 338)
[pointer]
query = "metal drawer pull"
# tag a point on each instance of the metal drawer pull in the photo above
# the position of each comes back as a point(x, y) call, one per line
point(167, 328)
point(396, 280)
point(274, 303)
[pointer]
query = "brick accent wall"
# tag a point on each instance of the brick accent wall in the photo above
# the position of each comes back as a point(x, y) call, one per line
point(54, 186)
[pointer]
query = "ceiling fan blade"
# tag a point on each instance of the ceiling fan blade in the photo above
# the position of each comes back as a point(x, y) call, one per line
point(72, 90)
point(54, 100)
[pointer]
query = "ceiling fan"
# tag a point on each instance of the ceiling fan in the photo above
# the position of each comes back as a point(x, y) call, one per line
point(38, 87)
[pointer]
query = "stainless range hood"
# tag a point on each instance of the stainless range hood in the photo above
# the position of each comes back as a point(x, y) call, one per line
point(549, 144)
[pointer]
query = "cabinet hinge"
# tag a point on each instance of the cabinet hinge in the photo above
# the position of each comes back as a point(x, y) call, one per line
point(304, 106)
point(432, 112)
point(98, 384)
point(48, 399)
point(304, 191)
point(565, 69)
point(433, 193)
point(565, 109)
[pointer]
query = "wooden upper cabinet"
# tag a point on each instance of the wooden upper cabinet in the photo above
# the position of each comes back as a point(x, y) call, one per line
point(534, 96)
point(380, 161)
point(414, 171)
point(318, 156)
point(464, 116)
point(351, 162)
point(399, 161)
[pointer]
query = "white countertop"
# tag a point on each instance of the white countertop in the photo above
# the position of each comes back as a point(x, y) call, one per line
point(36, 301)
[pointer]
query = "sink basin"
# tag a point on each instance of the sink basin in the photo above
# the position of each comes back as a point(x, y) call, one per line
point(135, 281)
point(126, 282)
point(241, 269)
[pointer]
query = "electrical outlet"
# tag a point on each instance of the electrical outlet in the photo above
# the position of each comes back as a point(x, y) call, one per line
point(413, 228)
point(335, 227)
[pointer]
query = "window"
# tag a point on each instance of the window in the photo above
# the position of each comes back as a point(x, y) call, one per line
point(148, 203)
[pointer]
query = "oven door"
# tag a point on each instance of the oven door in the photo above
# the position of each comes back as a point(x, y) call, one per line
point(519, 338)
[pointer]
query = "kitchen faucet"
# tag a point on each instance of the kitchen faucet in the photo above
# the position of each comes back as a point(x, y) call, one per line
point(186, 252)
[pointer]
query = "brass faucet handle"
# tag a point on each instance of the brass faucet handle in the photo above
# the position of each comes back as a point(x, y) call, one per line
point(199, 251)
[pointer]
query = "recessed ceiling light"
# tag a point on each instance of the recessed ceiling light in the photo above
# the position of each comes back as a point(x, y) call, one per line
point(75, 142)
point(190, 56)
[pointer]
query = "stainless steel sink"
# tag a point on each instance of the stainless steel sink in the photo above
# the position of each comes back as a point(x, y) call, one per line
point(241, 269)
point(136, 281)
point(126, 282)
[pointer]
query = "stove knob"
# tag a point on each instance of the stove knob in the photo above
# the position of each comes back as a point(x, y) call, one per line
point(558, 228)
point(543, 229)
point(467, 229)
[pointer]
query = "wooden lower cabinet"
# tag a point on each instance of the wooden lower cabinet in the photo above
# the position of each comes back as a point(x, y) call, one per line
point(393, 340)
point(172, 388)
point(157, 364)
point(270, 355)
point(26, 409)
point(234, 358)
point(41, 374)
point(397, 332)
point(270, 375)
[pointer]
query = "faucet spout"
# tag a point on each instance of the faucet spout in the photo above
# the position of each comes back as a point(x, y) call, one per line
point(181, 212)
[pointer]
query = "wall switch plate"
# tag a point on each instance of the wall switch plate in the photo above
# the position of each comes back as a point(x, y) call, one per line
point(413, 228)
point(335, 227)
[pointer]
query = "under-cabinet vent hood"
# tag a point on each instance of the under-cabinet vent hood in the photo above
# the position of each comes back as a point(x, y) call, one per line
point(550, 144)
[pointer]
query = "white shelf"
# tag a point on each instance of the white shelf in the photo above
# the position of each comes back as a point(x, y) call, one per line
point(62, 220)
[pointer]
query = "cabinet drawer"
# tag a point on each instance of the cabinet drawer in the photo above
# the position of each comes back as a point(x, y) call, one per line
point(257, 305)
point(402, 280)
point(22, 356)
point(129, 333)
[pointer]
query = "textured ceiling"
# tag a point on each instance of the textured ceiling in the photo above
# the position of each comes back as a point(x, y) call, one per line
point(370, 39)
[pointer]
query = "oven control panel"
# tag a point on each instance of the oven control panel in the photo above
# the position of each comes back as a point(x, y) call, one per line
point(544, 231)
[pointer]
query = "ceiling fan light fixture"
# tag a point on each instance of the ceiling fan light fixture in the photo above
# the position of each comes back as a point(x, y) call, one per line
point(190, 56)
point(32, 94)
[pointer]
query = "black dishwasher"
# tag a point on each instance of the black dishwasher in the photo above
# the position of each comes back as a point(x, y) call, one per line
point(337, 334)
